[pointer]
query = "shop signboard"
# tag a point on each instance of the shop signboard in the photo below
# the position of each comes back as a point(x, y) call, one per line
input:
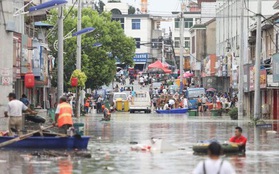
point(275, 67)
point(26, 56)
point(17, 52)
point(263, 81)
point(141, 57)
point(36, 58)
point(246, 78)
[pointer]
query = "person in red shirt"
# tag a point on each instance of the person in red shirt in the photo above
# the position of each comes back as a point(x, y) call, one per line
point(239, 139)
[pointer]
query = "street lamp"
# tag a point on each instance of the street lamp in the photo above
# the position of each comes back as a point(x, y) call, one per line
point(78, 64)
point(97, 44)
point(84, 31)
point(46, 6)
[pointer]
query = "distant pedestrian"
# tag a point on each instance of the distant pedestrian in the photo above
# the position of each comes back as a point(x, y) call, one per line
point(214, 165)
point(199, 104)
point(24, 100)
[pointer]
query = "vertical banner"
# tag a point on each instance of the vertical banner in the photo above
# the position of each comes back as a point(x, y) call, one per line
point(17, 51)
point(275, 67)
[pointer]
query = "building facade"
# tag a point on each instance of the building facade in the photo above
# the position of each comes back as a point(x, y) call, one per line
point(25, 51)
point(143, 28)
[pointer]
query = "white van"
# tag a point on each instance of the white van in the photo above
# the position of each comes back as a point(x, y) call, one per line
point(142, 102)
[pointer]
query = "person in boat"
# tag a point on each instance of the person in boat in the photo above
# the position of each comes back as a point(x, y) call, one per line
point(171, 103)
point(63, 115)
point(166, 107)
point(14, 111)
point(107, 114)
point(239, 139)
point(214, 164)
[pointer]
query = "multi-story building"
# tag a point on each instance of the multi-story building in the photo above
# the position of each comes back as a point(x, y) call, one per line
point(25, 51)
point(204, 37)
point(228, 30)
point(197, 13)
point(143, 28)
point(228, 42)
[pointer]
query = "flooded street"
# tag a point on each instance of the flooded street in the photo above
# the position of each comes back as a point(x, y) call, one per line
point(111, 153)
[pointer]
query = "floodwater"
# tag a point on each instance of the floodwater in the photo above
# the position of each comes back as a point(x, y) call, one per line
point(111, 149)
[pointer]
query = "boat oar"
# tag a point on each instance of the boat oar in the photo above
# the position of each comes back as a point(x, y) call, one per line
point(16, 139)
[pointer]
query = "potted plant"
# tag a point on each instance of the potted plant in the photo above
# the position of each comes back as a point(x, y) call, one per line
point(233, 113)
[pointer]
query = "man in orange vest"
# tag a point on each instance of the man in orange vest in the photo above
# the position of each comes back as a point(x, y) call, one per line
point(63, 115)
point(107, 114)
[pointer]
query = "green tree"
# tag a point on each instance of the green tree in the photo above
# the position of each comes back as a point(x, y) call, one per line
point(82, 78)
point(96, 64)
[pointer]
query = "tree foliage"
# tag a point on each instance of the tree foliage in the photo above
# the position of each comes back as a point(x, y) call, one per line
point(98, 66)
point(82, 78)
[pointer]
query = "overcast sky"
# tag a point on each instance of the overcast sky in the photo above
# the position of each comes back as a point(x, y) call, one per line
point(157, 6)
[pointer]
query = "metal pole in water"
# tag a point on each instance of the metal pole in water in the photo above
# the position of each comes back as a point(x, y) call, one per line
point(78, 61)
point(183, 6)
point(257, 98)
point(60, 69)
point(241, 62)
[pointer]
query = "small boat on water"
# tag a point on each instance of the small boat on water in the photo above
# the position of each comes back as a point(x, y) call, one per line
point(49, 142)
point(228, 148)
point(172, 111)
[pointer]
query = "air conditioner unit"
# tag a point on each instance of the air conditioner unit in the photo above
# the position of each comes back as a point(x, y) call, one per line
point(10, 26)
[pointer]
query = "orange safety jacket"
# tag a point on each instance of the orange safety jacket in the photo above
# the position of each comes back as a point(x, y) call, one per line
point(87, 103)
point(65, 114)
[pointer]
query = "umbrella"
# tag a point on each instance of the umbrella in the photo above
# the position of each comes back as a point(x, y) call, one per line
point(188, 75)
point(211, 90)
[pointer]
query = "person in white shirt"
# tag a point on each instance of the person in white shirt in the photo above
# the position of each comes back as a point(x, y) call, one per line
point(166, 107)
point(185, 102)
point(164, 91)
point(171, 103)
point(14, 111)
point(141, 80)
point(214, 164)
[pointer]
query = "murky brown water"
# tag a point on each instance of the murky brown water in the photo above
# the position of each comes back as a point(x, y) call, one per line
point(111, 152)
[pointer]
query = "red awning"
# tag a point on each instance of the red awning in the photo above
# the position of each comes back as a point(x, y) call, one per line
point(158, 66)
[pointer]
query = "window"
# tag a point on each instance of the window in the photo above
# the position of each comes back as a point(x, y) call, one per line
point(193, 44)
point(187, 42)
point(137, 40)
point(120, 20)
point(135, 24)
point(176, 22)
point(176, 42)
point(188, 22)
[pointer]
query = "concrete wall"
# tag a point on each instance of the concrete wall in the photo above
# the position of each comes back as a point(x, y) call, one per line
point(211, 38)
point(200, 44)
point(6, 51)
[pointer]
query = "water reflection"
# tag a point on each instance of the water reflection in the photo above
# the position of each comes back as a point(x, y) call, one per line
point(111, 149)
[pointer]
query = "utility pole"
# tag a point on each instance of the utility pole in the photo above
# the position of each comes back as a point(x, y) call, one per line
point(241, 62)
point(60, 69)
point(78, 63)
point(183, 6)
point(163, 50)
point(257, 98)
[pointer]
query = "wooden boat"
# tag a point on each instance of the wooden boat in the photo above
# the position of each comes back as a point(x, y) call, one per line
point(172, 111)
point(49, 142)
point(228, 148)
